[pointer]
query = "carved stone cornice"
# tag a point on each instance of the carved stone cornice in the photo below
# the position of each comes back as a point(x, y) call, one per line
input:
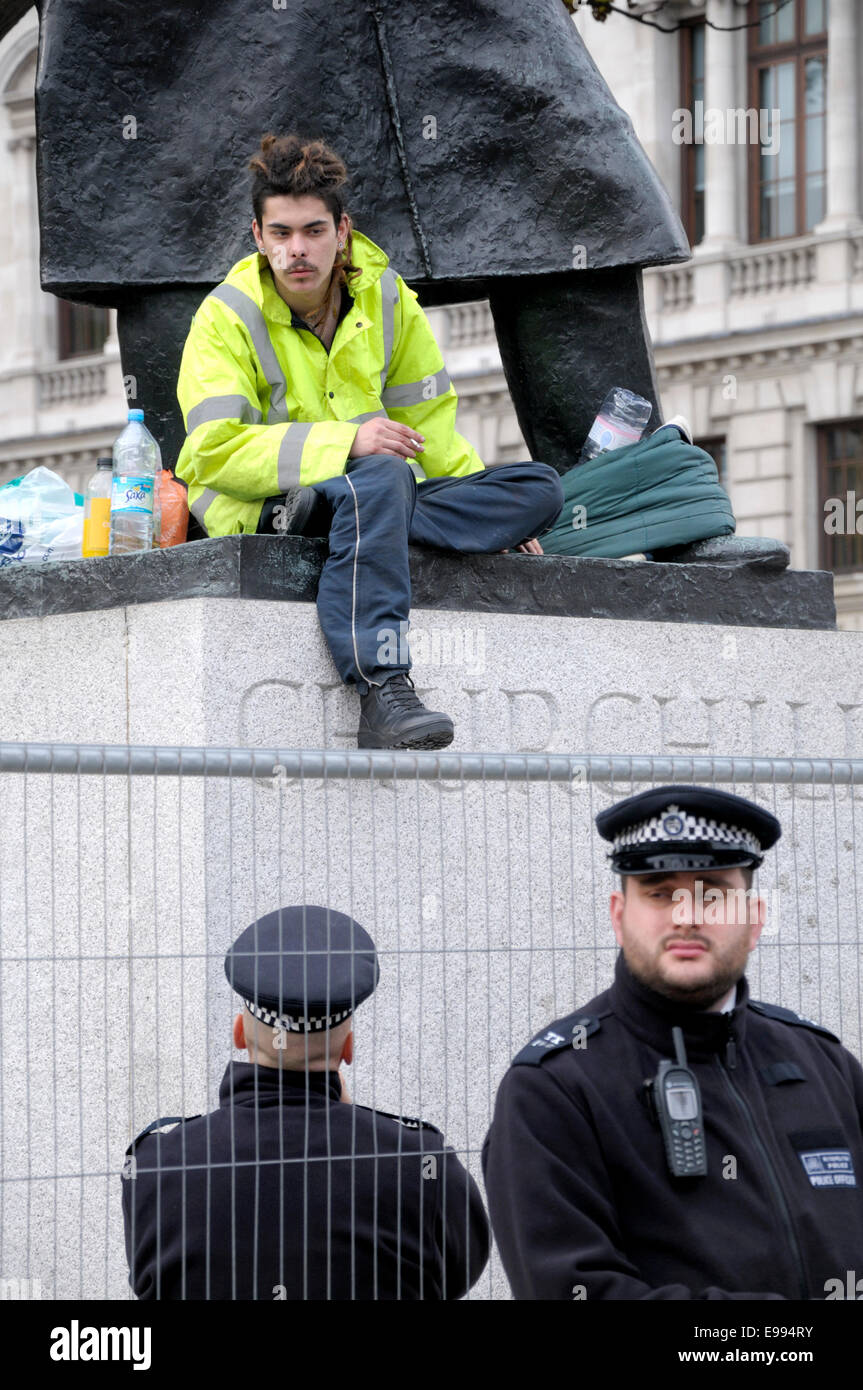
point(770, 359)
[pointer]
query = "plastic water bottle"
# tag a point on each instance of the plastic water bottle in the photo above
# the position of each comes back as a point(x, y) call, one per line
point(621, 420)
point(137, 462)
point(97, 510)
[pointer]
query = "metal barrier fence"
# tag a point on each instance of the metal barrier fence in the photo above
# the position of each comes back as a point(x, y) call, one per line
point(126, 872)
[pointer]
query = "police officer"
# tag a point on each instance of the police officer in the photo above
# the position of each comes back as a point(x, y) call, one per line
point(288, 1190)
point(674, 1138)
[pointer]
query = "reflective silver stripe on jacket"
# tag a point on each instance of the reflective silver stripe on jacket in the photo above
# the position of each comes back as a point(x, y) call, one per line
point(369, 415)
point(415, 392)
point(222, 408)
point(291, 453)
point(389, 300)
point(199, 507)
point(249, 313)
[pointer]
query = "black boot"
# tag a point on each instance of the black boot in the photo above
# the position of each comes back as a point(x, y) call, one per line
point(300, 511)
point(393, 716)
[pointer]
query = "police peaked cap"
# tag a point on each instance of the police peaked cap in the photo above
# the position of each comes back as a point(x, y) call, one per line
point(303, 969)
point(681, 828)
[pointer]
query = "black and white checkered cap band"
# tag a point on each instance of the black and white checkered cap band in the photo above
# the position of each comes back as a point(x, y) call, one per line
point(296, 1025)
point(675, 827)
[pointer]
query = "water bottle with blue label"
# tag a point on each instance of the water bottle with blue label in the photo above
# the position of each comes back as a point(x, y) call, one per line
point(621, 421)
point(137, 472)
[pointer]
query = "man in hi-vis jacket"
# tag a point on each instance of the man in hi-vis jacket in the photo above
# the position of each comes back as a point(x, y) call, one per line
point(317, 402)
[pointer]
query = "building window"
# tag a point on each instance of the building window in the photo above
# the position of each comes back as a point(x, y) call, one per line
point(840, 489)
point(788, 74)
point(81, 329)
point(692, 72)
point(715, 447)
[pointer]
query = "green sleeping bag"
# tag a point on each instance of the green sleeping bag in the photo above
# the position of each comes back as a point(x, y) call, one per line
point(648, 496)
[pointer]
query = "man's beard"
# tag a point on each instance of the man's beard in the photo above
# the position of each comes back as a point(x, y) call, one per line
point(700, 994)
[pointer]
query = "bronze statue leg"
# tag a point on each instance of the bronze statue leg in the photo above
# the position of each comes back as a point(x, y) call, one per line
point(565, 340)
point(152, 329)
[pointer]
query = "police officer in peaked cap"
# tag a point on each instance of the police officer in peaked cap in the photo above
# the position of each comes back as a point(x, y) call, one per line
point(674, 1138)
point(288, 1190)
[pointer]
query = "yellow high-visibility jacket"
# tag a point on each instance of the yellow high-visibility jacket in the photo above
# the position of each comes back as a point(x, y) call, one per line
point(266, 407)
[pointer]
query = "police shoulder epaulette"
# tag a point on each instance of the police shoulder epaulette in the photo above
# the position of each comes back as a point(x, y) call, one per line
point(566, 1032)
point(160, 1124)
point(409, 1121)
point(789, 1016)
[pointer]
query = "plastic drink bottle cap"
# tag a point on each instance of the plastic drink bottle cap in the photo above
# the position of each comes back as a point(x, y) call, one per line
point(136, 414)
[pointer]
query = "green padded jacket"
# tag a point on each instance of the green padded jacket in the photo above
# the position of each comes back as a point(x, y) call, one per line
point(648, 496)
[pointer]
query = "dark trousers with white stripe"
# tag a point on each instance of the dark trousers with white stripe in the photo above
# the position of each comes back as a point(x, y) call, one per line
point(378, 508)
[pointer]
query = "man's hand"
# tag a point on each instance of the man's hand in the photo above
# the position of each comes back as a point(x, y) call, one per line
point(384, 436)
point(528, 548)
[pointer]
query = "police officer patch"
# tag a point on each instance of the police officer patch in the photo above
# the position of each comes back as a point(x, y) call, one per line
point(829, 1167)
point(672, 824)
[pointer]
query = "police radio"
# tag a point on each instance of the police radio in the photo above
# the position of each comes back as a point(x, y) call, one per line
point(676, 1103)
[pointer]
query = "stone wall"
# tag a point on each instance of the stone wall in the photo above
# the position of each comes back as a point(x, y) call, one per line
point(488, 901)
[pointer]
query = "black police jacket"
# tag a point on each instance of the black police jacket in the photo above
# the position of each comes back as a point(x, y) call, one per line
point(581, 1199)
point(287, 1192)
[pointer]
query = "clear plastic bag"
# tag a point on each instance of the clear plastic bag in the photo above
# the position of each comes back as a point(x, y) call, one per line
point(41, 518)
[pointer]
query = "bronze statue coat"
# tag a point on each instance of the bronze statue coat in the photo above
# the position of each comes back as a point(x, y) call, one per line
point(481, 139)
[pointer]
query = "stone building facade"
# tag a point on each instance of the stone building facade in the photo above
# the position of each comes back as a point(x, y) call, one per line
point(61, 384)
point(758, 339)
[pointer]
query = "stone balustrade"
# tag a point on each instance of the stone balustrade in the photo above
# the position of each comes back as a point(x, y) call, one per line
point(75, 381)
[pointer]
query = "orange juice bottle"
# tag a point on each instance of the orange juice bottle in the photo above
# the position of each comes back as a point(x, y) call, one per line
point(97, 510)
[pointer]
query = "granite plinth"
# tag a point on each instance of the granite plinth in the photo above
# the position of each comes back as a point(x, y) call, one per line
point(745, 592)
